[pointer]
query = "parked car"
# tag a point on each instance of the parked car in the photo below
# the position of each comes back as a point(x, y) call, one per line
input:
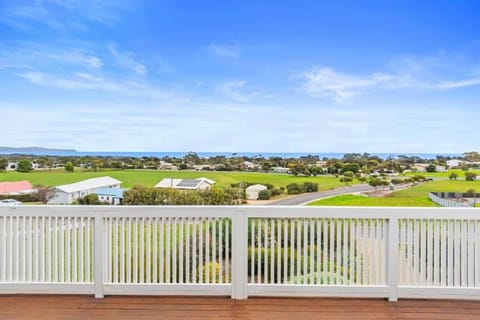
point(10, 202)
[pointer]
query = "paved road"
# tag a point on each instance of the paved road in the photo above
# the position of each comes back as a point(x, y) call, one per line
point(308, 197)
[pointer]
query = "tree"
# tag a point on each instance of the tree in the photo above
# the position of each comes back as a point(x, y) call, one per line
point(69, 167)
point(470, 176)
point(24, 166)
point(44, 193)
point(431, 168)
point(353, 167)
point(453, 176)
point(3, 164)
point(96, 164)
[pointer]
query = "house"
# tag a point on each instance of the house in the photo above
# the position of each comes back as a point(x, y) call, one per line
point(253, 191)
point(111, 195)
point(454, 163)
point(16, 188)
point(200, 167)
point(12, 166)
point(421, 167)
point(66, 194)
point(167, 166)
point(280, 170)
point(322, 164)
point(250, 165)
point(186, 184)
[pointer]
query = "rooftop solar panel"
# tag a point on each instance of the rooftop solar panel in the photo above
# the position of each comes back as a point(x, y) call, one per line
point(188, 183)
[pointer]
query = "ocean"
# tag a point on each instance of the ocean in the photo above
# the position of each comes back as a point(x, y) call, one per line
point(226, 154)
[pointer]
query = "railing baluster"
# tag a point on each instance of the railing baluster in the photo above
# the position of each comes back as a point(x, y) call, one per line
point(175, 249)
point(155, 251)
point(122, 251)
point(220, 249)
point(148, 252)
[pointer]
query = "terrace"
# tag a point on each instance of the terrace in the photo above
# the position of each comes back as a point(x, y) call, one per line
point(250, 254)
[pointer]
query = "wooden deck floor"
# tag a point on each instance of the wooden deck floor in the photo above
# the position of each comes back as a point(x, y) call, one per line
point(146, 308)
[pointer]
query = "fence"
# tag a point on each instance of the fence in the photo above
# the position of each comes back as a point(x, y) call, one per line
point(241, 251)
point(446, 202)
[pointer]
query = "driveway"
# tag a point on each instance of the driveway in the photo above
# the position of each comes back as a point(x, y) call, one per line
point(309, 197)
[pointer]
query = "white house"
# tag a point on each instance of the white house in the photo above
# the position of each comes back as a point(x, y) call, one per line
point(253, 191)
point(280, 170)
point(68, 193)
point(167, 166)
point(11, 166)
point(454, 163)
point(250, 165)
point(186, 184)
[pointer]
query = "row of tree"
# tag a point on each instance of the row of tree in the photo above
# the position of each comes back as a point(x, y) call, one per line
point(309, 165)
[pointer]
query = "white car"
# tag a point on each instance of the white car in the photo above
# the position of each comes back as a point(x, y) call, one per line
point(10, 202)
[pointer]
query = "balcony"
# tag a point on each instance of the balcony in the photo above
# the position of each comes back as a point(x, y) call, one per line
point(241, 252)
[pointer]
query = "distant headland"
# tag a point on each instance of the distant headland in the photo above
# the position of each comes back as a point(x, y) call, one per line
point(33, 150)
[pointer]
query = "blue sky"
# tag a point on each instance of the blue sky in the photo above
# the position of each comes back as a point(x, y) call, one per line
point(260, 76)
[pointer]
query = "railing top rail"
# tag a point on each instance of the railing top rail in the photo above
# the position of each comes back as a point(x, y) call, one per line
point(249, 211)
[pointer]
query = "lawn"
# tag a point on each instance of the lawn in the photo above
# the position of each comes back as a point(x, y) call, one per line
point(443, 175)
point(413, 197)
point(152, 177)
point(363, 201)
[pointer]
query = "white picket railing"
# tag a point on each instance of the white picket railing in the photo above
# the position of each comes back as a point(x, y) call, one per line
point(446, 202)
point(241, 251)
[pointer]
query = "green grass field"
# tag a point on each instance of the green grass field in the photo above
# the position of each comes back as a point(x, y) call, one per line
point(152, 177)
point(356, 200)
point(461, 173)
point(413, 197)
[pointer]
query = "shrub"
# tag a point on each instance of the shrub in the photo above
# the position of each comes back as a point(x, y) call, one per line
point(213, 275)
point(140, 195)
point(297, 264)
point(277, 191)
point(264, 195)
point(89, 199)
point(27, 197)
point(294, 188)
point(453, 176)
point(269, 186)
point(310, 187)
point(470, 176)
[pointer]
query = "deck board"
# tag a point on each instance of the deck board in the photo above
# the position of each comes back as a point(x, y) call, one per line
point(146, 308)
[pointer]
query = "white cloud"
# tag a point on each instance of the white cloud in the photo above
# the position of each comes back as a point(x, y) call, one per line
point(326, 82)
point(84, 81)
point(224, 51)
point(236, 90)
point(126, 60)
point(436, 73)
point(35, 57)
point(63, 15)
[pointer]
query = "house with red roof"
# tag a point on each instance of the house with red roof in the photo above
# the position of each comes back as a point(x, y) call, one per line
point(16, 187)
